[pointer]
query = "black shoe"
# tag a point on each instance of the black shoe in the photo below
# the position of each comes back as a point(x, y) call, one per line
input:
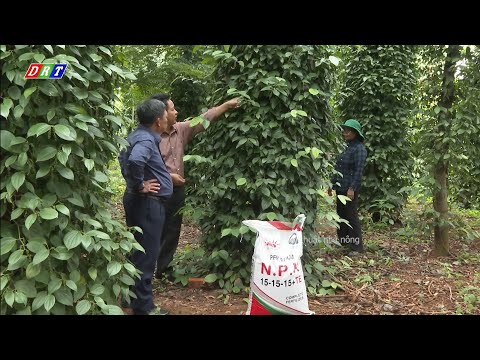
point(155, 311)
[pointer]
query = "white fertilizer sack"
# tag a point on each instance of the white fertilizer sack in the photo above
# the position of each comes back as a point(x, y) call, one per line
point(277, 285)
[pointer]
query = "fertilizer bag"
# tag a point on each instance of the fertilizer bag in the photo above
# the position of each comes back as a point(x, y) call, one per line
point(277, 285)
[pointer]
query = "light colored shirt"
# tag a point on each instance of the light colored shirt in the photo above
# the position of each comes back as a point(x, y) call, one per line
point(172, 146)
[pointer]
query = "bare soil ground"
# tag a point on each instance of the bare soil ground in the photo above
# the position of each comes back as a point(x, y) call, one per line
point(394, 276)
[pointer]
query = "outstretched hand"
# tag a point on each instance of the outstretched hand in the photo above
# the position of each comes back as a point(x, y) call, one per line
point(234, 103)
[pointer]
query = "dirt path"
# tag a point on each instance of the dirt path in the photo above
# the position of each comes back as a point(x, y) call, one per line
point(393, 277)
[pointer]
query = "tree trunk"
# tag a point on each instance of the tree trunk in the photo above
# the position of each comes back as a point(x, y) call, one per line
point(440, 195)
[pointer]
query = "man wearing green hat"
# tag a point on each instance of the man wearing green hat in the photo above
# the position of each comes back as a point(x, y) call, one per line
point(350, 165)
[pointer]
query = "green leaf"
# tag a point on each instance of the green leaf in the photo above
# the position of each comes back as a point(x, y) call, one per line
point(71, 285)
point(113, 310)
point(3, 282)
point(92, 272)
point(40, 256)
point(334, 60)
point(294, 162)
point(48, 88)
point(20, 298)
point(95, 57)
point(223, 254)
point(64, 296)
point(36, 246)
point(83, 307)
point(46, 153)
point(29, 91)
point(226, 232)
point(63, 209)
point(80, 93)
point(76, 201)
point(48, 214)
point(49, 302)
point(16, 213)
point(9, 297)
point(50, 114)
point(44, 170)
point(113, 268)
point(76, 109)
point(93, 76)
point(18, 140)
point(89, 164)
point(18, 112)
point(39, 57)
point(61, 253)
point(271, 216)
point(27, 287)
point(39, 300)
point(26, 56)
point(62, 157)
point(22, 159)
point(5, 108)
point(313, 91)
point(6, 137)
point(18, 179)
point(265, 191)
point(241, 181)
point(105, 50)
point(210, 278)
point(14, 92)
point(343, 199)
point(97, 289)
point(38, 129)
point(108, 108)
point(30, 220)
point(130, 268)
point(54, 285)
point(11, 75)
point(7, 244)
point(63, 132)
point(72, 239)
point(66, 173)
point(315, 152)
point(98, 234)
point(100, 177)
point(11, 160)
point(32, 270)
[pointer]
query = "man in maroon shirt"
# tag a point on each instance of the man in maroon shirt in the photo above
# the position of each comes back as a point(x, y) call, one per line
point(172, 147)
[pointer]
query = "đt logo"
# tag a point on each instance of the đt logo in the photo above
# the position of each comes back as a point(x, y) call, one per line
point(45, 71)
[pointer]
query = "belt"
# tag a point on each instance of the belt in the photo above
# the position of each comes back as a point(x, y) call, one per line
point(158, 198)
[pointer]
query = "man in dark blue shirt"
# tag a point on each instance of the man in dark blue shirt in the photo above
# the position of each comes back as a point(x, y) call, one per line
point(148, 186)
point(350, 164)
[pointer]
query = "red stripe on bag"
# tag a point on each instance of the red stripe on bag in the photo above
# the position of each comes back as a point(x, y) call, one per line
point(257, 308)
point(280, 225)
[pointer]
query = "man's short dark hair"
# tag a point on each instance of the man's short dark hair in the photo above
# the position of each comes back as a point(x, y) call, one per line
point(149, 110)
point(162, 97)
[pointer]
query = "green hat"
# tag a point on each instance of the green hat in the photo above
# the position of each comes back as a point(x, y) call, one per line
point(354, 124)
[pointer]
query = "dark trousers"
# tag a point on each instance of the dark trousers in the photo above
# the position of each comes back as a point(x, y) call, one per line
point(148, 214)
point(171, 231)
point(349, 236)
